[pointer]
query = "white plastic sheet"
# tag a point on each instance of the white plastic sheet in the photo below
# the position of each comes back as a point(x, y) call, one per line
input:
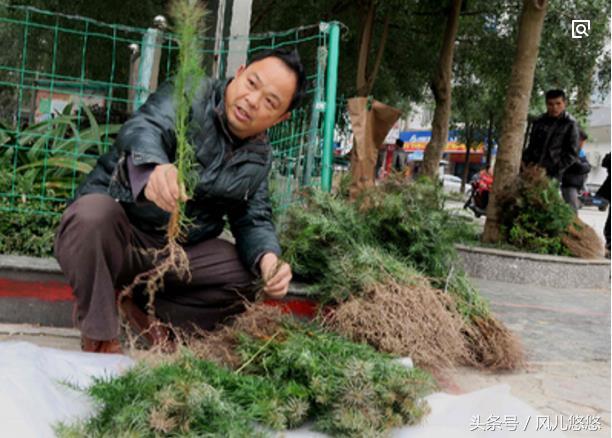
point(33, 398)
point(33, 391)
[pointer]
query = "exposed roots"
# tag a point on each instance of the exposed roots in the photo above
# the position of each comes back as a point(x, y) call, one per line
point(417, 321)
point(422, 322)
point(258, 320)
point(582, 241)
point(172, 258)
point(138, 347)
point(493, 346)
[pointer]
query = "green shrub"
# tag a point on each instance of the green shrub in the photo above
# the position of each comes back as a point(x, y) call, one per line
point(532, 215)
point(27, 234)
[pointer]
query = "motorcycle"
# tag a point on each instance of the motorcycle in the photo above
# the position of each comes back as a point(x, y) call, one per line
point(589, 198)
point(478, 197)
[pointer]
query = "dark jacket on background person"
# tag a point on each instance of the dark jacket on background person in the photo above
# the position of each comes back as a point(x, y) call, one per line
point(576, 174)
point(604, 190)
point(231, 173)
point(553, 144)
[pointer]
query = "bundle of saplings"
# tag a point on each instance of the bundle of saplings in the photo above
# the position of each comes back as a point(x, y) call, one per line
point(388, 264)
point(533, 217)
point(274, 372)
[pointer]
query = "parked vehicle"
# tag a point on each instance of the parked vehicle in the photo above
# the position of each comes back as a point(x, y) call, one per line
point(478, 195)
point(589, 198)
point(451, 183)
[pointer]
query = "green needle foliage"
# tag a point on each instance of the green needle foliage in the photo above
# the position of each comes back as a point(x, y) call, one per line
point(188, 16)
point(352, 389)
point(302, 372)
point(533, 217)
point(394, 229)
point(181, 398)
point(384, 253)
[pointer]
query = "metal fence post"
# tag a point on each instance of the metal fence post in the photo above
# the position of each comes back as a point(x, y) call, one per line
point(148, 71)
point(330, 106)
point(318, 107)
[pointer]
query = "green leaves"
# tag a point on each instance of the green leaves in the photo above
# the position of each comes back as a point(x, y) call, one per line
point(25, 234)
point(50, 158)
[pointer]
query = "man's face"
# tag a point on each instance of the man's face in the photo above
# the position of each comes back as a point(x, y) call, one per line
point(555, 106)
point(259, 96)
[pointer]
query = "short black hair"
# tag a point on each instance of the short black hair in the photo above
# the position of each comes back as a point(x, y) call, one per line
point(582, 135)
point(291, 58)
point(555, 93)
point(399, 142)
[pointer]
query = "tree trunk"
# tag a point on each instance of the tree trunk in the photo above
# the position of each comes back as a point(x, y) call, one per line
point(507, 164)
point(364, 50)
point(466, 163)
point(490, 140)
point(365, 77)
point(441, 88)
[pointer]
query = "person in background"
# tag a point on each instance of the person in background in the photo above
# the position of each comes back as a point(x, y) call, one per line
point(575, 176)
point(553, 143)
point(604, 192)
point(400, 156)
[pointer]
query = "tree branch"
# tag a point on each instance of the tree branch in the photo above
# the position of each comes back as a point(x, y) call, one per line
point(364, 50)
point(379, 53)
point(539, 4)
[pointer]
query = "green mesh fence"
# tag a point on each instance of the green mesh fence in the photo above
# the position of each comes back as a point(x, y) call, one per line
point(68, 83)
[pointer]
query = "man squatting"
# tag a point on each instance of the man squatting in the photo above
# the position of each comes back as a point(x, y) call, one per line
point(122, 208)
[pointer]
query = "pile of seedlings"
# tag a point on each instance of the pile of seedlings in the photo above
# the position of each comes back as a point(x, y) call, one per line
point(387, 265)
point(265, 372)
point(533, 217)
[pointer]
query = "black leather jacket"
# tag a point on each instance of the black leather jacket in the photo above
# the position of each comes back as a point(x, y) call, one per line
point(553, 144)
point(604, 190)
point(576, 174)
point(232, 174)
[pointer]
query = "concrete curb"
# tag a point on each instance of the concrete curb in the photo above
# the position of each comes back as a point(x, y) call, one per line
point(25, 263)
point(34, 291)
point(36, 330)
point(526, 268)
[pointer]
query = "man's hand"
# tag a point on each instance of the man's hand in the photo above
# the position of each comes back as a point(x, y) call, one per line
point(276, 278)
point(163, 188)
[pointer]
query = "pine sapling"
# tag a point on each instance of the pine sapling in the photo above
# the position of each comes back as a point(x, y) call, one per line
point(188, 16)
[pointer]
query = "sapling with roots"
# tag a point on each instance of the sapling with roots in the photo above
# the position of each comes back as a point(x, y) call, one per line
point(188, 17)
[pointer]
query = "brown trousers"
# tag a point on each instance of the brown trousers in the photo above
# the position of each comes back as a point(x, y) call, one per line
point(100, 252)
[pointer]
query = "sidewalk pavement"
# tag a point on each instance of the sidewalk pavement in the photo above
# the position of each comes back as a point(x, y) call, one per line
point(566, 334)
